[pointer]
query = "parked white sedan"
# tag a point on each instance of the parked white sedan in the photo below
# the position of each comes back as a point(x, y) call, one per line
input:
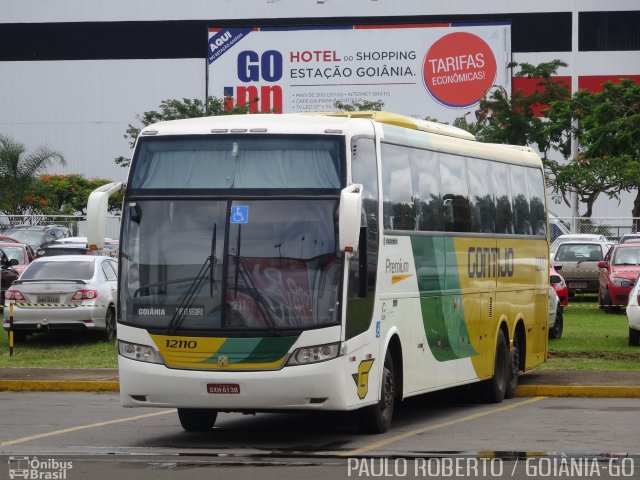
point(66, 292)
point(633, 315)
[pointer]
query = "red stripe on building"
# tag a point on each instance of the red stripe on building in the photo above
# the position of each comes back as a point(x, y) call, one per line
point(591, 83)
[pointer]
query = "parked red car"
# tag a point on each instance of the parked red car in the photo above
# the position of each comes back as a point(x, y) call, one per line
point(618, 273)
point(19, 254)
point(559, 285)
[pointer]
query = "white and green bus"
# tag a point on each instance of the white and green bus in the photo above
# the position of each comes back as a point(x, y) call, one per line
point(338, 261)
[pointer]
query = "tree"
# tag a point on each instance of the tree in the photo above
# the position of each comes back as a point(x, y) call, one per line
point(607, 127)
point(606, 124)
point(516, 120)
point(363, 106)
point(179, 109)
point(18, 170)
point(66, 194)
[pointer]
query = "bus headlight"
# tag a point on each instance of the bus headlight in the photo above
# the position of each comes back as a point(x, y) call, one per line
point(141, 353)
point(314, 354)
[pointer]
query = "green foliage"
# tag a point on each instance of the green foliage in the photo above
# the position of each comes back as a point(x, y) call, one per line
point(514, 120)
point(66, 194)
point(62, 350)
point(607, 127)
point(364, 106)
point(592, 339)
point(18, 170)
point(176, 110)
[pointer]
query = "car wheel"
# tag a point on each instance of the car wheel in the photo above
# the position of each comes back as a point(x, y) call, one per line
point(494, 389)
point(377, 418)
point(110, 325)
point(514, 355)
point(634, 337)
point(197, 419)
point(558, 326)
point(606, 300)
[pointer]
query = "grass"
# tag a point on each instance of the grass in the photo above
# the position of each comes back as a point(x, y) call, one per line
point(61, 350)
point(592, 340)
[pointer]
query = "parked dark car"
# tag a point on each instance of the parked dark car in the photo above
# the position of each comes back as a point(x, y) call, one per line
point(7, 274)
point(37, 235)
point(66, 248)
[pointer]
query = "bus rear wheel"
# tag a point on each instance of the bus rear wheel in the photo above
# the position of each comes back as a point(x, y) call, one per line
point(514, 373)
point(377, 418)
point(494, 389)
point(197, 419)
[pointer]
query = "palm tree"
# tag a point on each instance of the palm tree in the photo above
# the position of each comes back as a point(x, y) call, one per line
point(18, 170)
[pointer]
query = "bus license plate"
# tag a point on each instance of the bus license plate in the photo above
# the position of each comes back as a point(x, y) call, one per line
point(223, 388)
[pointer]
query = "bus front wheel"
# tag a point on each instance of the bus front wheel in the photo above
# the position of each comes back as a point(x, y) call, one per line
point(197, 419)
point(377, 418)
point(493, 390)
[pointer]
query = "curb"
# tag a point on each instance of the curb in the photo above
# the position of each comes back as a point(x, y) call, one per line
point(591, 391)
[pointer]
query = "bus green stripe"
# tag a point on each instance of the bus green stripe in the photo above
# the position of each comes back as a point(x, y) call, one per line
point(442, 315)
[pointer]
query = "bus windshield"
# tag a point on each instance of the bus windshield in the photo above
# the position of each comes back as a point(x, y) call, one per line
point(207, 265)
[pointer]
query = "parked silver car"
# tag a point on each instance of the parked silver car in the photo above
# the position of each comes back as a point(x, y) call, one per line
point(66, 292)
point(578, 263)
point(578, 237)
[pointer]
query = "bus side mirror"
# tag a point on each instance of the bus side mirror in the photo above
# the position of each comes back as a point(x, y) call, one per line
point(350, 218)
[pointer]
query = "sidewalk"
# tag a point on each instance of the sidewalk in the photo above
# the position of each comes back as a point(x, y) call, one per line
point(551, 383)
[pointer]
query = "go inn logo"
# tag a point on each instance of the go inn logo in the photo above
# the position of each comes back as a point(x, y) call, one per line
point(38, 469)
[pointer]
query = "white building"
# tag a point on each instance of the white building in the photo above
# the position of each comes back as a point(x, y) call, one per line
point(74, 74)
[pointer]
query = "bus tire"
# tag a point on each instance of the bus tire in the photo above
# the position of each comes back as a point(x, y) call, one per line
point(377, 418)
point(634, 337)
point(197, 419)
point(493, 390)
point(514, 373)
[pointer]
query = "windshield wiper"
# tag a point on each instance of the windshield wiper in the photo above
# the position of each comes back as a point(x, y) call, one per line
point(188, 299)
point(255, 294)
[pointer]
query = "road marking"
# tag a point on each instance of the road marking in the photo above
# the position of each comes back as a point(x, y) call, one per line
point(83, 427)
point(416, 431)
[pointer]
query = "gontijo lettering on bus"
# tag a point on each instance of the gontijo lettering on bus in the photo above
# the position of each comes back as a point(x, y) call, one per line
point(483, 262)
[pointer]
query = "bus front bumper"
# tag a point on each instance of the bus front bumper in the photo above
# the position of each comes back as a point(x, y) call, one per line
point(319, 386)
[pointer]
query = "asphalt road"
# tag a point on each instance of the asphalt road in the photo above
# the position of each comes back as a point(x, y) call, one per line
point(437, 436)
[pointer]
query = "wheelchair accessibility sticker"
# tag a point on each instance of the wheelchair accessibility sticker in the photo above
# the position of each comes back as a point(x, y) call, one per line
point(240, 214)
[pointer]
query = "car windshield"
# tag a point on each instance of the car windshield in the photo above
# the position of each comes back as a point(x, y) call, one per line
point(627, 256)
point(579, 252)
point(30, 237)
point(14, 253)
point(72, 270)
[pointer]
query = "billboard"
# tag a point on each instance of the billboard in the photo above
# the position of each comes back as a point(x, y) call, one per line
point(441, 71)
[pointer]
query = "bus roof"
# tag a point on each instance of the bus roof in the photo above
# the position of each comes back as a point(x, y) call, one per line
point(394, 127)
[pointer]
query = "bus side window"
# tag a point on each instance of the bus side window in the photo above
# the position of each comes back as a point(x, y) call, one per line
point(504, 216)
point(455, 193)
